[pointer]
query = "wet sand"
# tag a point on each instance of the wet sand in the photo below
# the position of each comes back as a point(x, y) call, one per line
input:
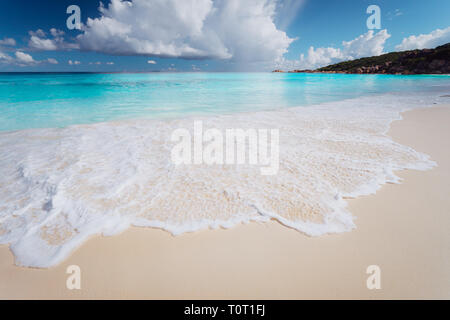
point(404, 229)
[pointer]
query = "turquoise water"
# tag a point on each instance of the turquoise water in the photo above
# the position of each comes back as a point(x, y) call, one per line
point(59, 100)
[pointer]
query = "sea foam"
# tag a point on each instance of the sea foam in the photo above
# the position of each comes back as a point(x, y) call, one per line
point(60, 186)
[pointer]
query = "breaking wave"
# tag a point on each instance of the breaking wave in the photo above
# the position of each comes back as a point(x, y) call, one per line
point(59, 186)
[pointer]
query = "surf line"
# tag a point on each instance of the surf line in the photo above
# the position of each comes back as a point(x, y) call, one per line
point(215, 147)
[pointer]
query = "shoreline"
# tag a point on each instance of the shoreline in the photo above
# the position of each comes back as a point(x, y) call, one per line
point(219, 264)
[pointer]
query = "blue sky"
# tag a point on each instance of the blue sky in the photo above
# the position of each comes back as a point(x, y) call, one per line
point(193, 38)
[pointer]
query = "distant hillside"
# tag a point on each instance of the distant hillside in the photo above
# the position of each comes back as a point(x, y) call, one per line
point(425, 61)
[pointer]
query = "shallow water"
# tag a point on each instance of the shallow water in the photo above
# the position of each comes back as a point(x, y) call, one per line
point(58, 186)
point(58, 100)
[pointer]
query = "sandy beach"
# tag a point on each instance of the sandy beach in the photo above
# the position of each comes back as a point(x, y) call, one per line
point(403, 229)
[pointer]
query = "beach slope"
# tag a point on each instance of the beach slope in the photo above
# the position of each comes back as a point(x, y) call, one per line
point(403, 229)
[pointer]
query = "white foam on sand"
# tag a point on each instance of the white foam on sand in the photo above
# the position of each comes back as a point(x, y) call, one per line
point(60, 186)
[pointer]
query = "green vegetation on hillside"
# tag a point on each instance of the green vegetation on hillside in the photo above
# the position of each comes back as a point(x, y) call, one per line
point(425, 61)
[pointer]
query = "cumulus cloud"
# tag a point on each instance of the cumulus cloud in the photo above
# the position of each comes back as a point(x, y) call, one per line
point(321, 56)
point(40, 41)
point(429, 40)
point(242, 30)
point(52, 61)
point(8, 42)
point(38, 33)
point(56, 33)
point(151, 62)
point(24, 58)
point(5, 58)
point(73, 62)
point(365, 45)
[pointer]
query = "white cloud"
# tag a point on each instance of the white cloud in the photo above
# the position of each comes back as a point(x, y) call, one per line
point(394, 14)
point(52, 61)
point(8, 42)
point(38, 33)
point(429, 40)
point(151, 62)
point(226, 29)
point(4, 58)
point(56, 33)
point(73, 62)
point(321, 56)
point(365, 45)
point(24, 58)
point(398, 13)
point(39, 41)
point(42, 44)
point(110, 63)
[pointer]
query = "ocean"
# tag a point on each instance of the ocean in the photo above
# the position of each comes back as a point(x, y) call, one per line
point(84, 154)
point(58, 100)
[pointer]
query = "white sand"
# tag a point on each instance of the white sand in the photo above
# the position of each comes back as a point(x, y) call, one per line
point(403, 229)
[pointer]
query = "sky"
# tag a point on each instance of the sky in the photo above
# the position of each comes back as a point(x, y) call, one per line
point(210, 35)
